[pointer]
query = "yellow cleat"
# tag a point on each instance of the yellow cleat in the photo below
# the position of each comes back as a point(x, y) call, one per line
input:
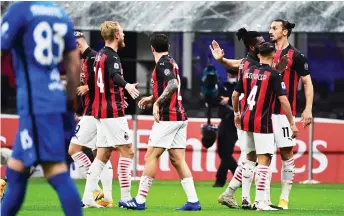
point(106, 204)
point(2, 188)
point(283, 204)
point(97, 195)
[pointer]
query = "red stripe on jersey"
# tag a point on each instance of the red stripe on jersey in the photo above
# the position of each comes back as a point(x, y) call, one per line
point(276, 59)
point(243, 100)
point(95, 105)
point(296, 83)
point(113, 99)
point(260, 103)
point(155, 85)
point(286, 77)
point(164, 84)
point(172, 107)
point(246, 125)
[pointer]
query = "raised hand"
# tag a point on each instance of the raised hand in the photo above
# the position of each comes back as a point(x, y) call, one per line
point(216, 50)
point(282, 64)
point(131, 88)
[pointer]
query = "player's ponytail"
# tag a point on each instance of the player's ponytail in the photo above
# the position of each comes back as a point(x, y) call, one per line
point(241, 33)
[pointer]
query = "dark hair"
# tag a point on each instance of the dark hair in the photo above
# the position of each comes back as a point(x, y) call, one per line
point(286, 25)
point(248, 37)
point(78, 35)
point(266, 49)
point(159, 42)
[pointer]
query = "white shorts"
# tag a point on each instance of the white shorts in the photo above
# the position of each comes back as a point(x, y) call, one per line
point(86, 132)
point(259, 142)
point(168, 134)
point(282, 131)
point(112, 132)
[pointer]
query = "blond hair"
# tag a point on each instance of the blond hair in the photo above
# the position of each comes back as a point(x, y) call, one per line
point(108, 30)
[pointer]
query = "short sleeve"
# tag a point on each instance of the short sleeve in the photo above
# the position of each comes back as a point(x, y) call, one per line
point(165, 70)
point(239, 86)
point(113, 65)
point(12, 22)
point(300, 64)
point(70, 41)
point(279, 85)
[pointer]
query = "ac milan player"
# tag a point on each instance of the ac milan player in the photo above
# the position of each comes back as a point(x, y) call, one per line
point(169, 129)
point(297, 68)
point(108, 109)
point(262, 84)
point(252, 41)
point(86, 130)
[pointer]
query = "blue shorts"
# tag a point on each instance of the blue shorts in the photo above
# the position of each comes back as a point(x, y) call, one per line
point(43, 138)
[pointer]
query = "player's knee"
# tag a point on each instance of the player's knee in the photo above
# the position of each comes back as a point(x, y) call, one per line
point(52, 169)
point(264, 159)
point(15, 165)
point(126, 151)
point(74, 148)
point(286, 153)
point(252, 156)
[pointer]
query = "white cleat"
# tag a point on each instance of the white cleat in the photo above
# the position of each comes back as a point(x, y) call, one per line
point(92, 204)
point(228, 201)
point(264, 206)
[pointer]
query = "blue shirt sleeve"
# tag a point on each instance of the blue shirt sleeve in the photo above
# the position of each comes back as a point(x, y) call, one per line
point(70, 41)
point(12, 22)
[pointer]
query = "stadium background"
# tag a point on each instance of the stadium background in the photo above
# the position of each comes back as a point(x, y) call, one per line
point(191, 27)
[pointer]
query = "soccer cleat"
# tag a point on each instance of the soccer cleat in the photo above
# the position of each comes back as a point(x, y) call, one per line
point(132, 204)
point(92, 204)
point(264, 206)
point(97, 195)
point(189, 206)
point(106, 204)
point(228, 201)
point(283, 204)
point(246, 204)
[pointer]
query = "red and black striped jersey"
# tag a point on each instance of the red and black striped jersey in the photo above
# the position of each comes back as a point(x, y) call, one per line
point(297, 66)
point(262, 84)
point(87, 78)
point(108, 97)
point(165, 70)
point(245, 64)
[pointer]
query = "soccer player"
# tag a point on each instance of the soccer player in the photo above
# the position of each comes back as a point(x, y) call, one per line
point(262, 84)
point(169, 129)
point(40, 35)
point(297, 68)
point(108, 109)
point(86, 130)
point(252, 41)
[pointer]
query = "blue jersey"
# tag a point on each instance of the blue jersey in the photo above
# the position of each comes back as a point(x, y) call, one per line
point(38, 34)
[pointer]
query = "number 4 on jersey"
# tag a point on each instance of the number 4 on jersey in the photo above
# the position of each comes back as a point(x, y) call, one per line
point(251, 98)
point(100, 82)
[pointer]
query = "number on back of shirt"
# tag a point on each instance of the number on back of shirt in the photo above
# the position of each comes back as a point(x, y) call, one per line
point(100, 82)
point(47, 38)
point(179, 97)
point(251, 98)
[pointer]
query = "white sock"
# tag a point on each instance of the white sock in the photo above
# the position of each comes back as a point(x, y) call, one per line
point(235, 182)
point(82, 161)
point(268, 198)
point(145, 184)
point(189, 189)
point(288, 171)
point(124, 177)
point(92, 179)
point(106, 177)
point(247, 177)
point(262, 179)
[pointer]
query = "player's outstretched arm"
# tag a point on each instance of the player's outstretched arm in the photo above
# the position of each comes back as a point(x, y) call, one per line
point(218, 55)
point(309, 94)
point(146, 102)
point(73, 69)
point(287, 109)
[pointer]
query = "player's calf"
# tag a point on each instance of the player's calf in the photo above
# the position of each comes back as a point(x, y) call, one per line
point(17, 178)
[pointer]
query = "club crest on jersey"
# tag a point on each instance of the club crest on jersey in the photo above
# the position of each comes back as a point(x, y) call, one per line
point(167, 72)
point(116, 66)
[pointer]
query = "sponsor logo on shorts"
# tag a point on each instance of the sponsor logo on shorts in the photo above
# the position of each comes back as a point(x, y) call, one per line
point(126, 137)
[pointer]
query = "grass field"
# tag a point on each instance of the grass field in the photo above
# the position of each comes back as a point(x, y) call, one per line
point(164, 196)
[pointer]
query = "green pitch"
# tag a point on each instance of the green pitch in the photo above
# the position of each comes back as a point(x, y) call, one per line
point(164, 196)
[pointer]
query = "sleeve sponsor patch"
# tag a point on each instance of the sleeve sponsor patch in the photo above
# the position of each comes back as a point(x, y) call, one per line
point(283, 85)
point(116, 66)
point(167, 72)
